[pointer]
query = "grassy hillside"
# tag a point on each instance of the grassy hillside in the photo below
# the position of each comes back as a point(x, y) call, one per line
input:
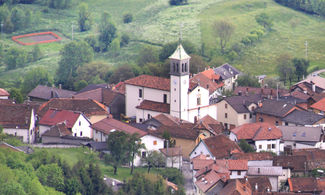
point(290, 31)
point(158, 23)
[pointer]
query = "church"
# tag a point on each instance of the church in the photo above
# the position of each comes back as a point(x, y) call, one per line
point(180, 96)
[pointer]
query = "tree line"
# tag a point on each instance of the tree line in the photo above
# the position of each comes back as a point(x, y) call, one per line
point(308, 6)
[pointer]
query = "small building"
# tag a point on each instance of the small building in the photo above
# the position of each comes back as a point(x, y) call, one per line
point(298, 137)
point(229, 75)
point(42, 93)
point(303, 118)
point(4, 95)
point(292, 166)
point(306, 185)
point(18, 120)
point(263, 136)
point(319, 107)
point(76, 122)
point(272, 172)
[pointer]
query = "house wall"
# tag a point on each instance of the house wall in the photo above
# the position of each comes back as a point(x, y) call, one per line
point(274, 183)
point(132, 99)
point(297, 145)
point(18, 132)
point(265, 143)
point(198, 92)
point(200, 149)
point(142, 115)
point(32, 126)
point(208, 110)
point(148, 141)
point(42, 129)
point(175, 162)
point(186, 145)
point(286, 173)
point(82, 125)
point(99, 136)
point(235, 175)
point(269, 119)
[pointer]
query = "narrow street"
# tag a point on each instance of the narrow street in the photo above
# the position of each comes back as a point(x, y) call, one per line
point(188, 182)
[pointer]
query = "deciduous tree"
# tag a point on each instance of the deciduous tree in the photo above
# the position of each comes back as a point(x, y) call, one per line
point(84, 19)
point(224, 30)
point(264, 20)
point(107, 31)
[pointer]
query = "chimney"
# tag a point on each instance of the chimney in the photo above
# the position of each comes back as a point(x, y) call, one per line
point(313, 86)
point(256, 187)
point(60, 86)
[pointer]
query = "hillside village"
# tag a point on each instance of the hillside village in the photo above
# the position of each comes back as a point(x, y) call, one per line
point(255, 141)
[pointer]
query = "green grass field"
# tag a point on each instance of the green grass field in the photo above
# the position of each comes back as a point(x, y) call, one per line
point(157, 22)
point(73, 155)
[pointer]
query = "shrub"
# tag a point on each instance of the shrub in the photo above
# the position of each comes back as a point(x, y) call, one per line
point(127, 18)
point(177, 2)
point(124, 40)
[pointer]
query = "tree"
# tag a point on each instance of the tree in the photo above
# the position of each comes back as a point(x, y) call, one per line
point(51, 175)
point(224, 30)
point(117, 144)
point(285, 67)
point(197, 64)
point(177, 2)
point(73, 55)
point(245, 146)
point(125, 39)
point(135, 146)
point(127, 18)
point(121, 73)
point(154, 159)
point(89, 71)
point(34, 77)
point(301, 66)
point(107, 31)
point(15, 94)
point(248, 80)
point(36, 53)
point(147, 55)
point(264, 20)
point(168, 140)
point(17, 18)
point(15, 57)
point(84, 19)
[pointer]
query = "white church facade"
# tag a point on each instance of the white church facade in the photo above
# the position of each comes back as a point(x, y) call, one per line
point(179, 96)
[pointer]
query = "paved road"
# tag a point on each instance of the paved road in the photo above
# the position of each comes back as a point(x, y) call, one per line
point(187, 173)
point(316, 73)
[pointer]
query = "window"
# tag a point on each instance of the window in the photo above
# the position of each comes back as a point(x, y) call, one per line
point(177, 69)
point(238, 172)
point(140, 120)
point(155, 142)
point(140, 93)
point(198, 101)
point(226, 115)
point(269, 146)
point(80, 133)
point(185, 67)
point(226, 126)
point(15, 133)
point(250, 115)
point(286, 123)
point(276, 123)
point(31, 132)
point(75, 134)
point(143, 154)
point(273, 146)
point(182, 67)
point(259, 146)
point(79, 123)
point(165, 98)
point(149, 116)
point(226, 105)
point(245, 116)
point(174, 67)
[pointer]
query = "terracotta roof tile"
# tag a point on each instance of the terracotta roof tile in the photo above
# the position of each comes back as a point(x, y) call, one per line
point(53, 117)
point(265, 92)
point(235, 187)
point(221, 146)
point(3, 92)
point(183, 131)
point(254, 156)
point(263, 183)
point(108, 125)
point(102, 95)
point(15, 115)
point(208, 181)
point(58, 130)
point(205, 82)
point(168, 120)
point(46, 93)
point(120, 87)
point(295, 163)
point(257, 131)
point(153, 82)
point(320, 105)
point(201, 163)
point(237, 165)
point(154, 106)
point(306, 184)
point(86, 106)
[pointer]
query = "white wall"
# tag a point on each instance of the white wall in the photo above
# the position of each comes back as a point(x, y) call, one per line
point(233, 137)
point(198, 92)
point(18, 132)
point(234, 174)
point(42, 129)
point(98, 136)
point(208, 110)
point(175, 162)
point(143, 114)
point(82, 125)
point(264, 144)
point(179, 96)
point(200, 149)
point(132, 99)
point(148, 141)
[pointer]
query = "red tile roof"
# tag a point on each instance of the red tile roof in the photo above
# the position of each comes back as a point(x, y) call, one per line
point(306, 184)
point(208, 181)
point(119, 87)
point(320, 105)
point(237, 165)
point(108, 125)
point(15, 115)
point(221, 146)
point(154, 106)
point(168, 120)
point(257, 131)
point(205, 82)
point(103, 95)
point(235, 187)
point(53, 117)
point(211, 74)
point(199, 163)
point(254, 156)
point(87, 106)
point(153, 82)
point(3, 92)
point(261, 91)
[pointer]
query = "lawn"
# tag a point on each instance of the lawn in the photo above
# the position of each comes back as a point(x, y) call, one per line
point(155, 22)
point(73, 155)
point(290, 31)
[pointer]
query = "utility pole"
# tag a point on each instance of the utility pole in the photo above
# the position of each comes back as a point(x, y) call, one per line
point(306, 50)
point(1, 30)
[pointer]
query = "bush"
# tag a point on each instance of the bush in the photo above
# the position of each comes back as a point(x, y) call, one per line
point(127, 18)
point(124, 40)
point(177, 2)
point(245, 146)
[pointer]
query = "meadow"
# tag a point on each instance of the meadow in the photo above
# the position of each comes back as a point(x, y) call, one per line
point(156, 23)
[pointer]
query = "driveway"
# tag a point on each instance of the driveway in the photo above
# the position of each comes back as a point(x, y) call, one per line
point(316, 73)
point(188, 182)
